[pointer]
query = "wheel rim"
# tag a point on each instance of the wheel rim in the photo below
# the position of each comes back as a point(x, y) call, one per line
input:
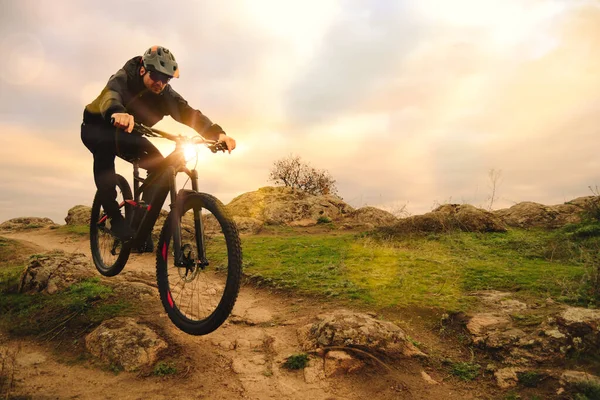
point(195, 291)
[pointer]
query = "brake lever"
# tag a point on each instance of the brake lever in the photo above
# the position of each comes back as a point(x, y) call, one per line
point(219, 146)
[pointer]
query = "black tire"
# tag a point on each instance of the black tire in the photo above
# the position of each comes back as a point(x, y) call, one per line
point(215, 287)
point(108, 253)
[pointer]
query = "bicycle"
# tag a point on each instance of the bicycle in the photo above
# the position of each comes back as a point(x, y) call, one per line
point(199, 279)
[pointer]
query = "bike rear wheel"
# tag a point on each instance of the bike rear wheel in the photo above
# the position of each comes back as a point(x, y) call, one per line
point(199, 298)
point(108, 253)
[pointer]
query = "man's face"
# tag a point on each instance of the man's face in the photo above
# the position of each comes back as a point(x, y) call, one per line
point(154, 81)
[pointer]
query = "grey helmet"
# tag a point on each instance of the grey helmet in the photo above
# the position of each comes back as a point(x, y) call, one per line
point(160, 59)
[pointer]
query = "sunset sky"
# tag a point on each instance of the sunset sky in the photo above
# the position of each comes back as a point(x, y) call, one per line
point(403, 102)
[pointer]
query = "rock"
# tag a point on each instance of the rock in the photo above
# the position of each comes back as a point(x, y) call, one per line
point(79, 215)
point(281, 205)
point(314, 372)
point(248, 225)
point(370, 216)
point(25, 223)
point(427, 378)
point(54, 271)
point(349, 329)
point(529, 214)
point(126, 343)
point(507, 377)
point(574, 377)
point(303, 223)
point(501, 339)
point(480, 324)
point(449, 217)
point(583, 326)
point(341, 363)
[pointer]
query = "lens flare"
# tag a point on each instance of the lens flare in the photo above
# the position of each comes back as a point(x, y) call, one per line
point(190, 151)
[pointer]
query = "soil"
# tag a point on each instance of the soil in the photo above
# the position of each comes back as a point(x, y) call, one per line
point(241, 360)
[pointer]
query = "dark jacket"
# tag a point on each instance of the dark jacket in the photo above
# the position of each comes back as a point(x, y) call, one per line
point(125, 93)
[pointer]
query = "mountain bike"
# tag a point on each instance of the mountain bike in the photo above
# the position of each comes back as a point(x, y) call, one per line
point(198, 257)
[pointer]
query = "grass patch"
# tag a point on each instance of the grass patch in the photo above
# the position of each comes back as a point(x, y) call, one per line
point(296, 361)
point(530, 378)
point(164, 369)
point(84, 304)
point(465, 371)
point(437, 270)
point(78, 230)
point(586, 391)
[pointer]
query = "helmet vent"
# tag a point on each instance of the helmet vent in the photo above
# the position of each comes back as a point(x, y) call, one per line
point(162, 63)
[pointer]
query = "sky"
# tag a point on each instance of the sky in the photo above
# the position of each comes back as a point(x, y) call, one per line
point(408, 104)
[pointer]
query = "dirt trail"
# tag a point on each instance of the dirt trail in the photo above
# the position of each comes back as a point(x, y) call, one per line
point(241, 360)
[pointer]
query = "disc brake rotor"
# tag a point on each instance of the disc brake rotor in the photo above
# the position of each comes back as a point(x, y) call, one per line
point(191, 270)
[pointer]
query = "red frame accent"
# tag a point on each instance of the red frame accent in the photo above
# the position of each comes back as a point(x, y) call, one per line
point(164, 252)
point(104, 218)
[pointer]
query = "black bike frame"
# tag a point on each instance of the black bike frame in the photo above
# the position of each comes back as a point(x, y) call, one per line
point(165, 182)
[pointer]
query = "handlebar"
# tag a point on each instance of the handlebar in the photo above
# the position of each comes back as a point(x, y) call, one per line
point(213, 145)
point(144, 130)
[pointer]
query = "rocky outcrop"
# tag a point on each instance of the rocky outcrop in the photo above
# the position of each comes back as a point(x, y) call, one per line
point(529, 214)
point(54, 271)
point(350, 329)
point(281, 205)
point(125, 343)
point(25, 223)
point(448, 217)
point(519, 335)
point(369, 218)
point(78, 215)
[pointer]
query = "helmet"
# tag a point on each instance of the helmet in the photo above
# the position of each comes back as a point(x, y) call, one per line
point(160, 59)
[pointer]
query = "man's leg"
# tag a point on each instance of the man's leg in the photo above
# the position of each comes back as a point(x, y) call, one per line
point(100, 141)
point(136, 147)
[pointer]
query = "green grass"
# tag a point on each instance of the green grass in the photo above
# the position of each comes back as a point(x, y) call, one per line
point(83, 304)
point(164, 369)
point(296, 361)
point(435, 270)
point(79, 230)
point(465, 371)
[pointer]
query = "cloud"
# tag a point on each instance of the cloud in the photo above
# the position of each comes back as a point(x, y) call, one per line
point(410, 101)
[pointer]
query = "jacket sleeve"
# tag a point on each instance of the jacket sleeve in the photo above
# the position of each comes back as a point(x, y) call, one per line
point(180, 110)
point(110, 100)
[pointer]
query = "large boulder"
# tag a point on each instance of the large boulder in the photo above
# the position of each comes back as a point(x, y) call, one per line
point(78, 215)
point(448, 217)
point(529, 214)
point(344, 328)
point(282, 205)
point(54, 271)
point(369, 217)
point(125, 343)
point(25, 223)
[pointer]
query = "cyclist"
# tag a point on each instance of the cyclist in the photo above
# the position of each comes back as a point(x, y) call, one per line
point(138, 92)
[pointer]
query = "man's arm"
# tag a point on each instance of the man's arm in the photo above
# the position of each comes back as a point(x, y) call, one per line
point(181, 111)
point(110, 100)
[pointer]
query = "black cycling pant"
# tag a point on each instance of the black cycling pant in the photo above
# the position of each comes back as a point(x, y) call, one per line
point(106, 142)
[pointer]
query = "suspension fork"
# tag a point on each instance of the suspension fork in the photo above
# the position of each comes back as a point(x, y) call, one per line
point(177, 204)
point(175, 218)
point(198, 228)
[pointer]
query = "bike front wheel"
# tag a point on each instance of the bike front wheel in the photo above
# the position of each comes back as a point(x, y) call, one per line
point(108, 253)
point(200, 295)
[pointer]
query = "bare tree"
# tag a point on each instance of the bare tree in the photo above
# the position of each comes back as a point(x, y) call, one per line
point(293, 172)
point(494, 176)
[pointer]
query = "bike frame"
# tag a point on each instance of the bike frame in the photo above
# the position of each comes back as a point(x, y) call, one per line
point(165, 183)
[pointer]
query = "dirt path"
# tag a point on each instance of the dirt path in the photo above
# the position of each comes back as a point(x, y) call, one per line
point(241, 360)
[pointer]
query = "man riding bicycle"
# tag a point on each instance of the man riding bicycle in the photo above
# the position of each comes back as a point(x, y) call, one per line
point(138, 92)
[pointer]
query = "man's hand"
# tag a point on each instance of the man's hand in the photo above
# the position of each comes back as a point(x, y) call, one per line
point(229, 141)
point(123, 121)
